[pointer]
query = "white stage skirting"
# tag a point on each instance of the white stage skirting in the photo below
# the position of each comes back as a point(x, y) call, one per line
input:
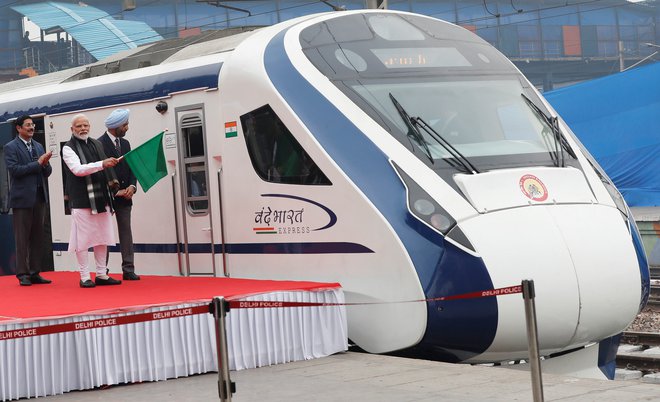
point(169, 348)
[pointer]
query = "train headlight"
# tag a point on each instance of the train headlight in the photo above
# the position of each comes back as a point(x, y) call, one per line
point(442, 222)
point(424, 207)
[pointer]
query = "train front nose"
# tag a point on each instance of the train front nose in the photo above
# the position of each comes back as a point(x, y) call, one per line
point(584, 268)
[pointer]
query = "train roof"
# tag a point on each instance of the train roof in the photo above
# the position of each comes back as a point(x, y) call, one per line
point(18, 96)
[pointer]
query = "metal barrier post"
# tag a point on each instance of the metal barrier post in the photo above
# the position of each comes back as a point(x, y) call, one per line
point(533, 339)
point(226, 387)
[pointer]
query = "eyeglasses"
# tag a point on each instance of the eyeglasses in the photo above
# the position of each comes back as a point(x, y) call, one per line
point(28, 125)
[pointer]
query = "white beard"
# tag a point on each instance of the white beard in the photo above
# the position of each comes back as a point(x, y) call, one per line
point(82, 137)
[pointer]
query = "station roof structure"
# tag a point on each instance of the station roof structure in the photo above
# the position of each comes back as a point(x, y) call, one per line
point(616, 118)
point(95, 30)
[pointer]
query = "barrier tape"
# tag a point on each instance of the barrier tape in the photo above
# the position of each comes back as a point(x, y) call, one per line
point(188, 311)
point(102, 322)
point(473, 295)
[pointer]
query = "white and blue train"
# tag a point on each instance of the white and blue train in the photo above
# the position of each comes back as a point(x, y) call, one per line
point(397, 154)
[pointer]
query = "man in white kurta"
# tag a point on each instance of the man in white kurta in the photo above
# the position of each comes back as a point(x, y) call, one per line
point(89, 199)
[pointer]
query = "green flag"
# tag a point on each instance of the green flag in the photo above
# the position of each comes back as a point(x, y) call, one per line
point(148, 162)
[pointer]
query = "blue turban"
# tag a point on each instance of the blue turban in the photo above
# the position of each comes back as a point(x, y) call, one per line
point(117, 118)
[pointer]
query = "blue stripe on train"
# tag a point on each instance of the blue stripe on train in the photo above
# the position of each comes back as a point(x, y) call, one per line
point(131, 90)
point(363, 162)
point(244, 248)
point(442, 268)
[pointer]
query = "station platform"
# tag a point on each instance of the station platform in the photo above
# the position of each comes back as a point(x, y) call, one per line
point(363, 377)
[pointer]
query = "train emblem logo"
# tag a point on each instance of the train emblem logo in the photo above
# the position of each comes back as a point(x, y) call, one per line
point(288, 221)
point(533, 188)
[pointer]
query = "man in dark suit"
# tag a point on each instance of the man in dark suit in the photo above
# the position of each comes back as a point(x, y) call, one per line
point(115, 145)
point(28, 167)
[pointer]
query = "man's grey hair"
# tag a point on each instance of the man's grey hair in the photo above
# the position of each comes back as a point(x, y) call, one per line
point(78, 116)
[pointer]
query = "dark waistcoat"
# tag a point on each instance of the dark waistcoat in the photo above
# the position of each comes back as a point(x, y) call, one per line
point(78, 188)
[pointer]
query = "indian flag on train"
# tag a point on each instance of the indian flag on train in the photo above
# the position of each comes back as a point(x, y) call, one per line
point(148, 162)
point(230, 129)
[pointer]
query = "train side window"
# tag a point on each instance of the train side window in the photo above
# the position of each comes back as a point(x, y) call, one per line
point(275, 154)
point(194, 160)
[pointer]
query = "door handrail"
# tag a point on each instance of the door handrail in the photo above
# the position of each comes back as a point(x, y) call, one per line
point(225, 269)
point(176, 226)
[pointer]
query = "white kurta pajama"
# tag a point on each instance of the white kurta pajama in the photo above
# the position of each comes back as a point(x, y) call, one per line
point(88, 229)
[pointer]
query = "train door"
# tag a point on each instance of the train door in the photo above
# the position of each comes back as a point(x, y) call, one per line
point(196, 228)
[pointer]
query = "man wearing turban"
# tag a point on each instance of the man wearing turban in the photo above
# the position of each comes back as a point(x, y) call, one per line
point(115, 145)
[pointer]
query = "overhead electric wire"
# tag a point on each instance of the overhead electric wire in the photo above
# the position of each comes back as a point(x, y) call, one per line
point(624, 3)
point(226, 21)
point(455, 10)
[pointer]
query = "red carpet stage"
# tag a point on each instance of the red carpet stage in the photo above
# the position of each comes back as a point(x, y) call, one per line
point(59, 337)
point(64, 297)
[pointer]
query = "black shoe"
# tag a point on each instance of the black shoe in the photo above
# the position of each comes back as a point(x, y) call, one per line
point(38, 279)
point(87, 284)
point(24, 281)
point(109, 281)
point(131, 276)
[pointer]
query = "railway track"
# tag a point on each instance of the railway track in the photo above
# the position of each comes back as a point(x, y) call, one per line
point(654, 303)
point(648, 363)
point(641, 338)
point(637, 361)
point(655, 271)
point(654, 297)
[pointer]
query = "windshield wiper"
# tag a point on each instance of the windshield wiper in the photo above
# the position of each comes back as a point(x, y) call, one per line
point(415, 123)
point(412, 130)
point(455, 153)
point(553, 122)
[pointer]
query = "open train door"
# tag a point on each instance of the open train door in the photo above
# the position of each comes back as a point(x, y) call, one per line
point(195, 223)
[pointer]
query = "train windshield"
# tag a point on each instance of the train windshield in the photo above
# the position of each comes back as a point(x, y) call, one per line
point(444, 93)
